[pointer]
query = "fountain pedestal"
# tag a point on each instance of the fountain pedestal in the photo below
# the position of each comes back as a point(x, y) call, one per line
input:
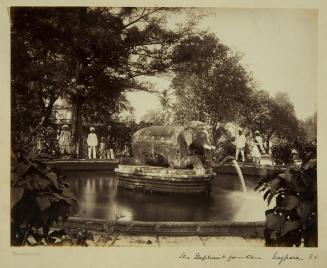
point(166, 180)
point(168, 159)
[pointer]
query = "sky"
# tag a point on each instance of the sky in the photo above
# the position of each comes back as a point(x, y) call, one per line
point(280, 48)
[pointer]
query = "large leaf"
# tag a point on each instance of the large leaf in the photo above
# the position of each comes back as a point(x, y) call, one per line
point(270, 197)
point(274, 221)
point(290, 202)
point(68, 194)
point(289, 226)
point(22, 168)
point(266, 194)
point(43, 202)
point(60, 197)
point(288, 175)
point(42, 182)
point(53, 178)
point(303, 209)
point(274, 184)
point(16, 195)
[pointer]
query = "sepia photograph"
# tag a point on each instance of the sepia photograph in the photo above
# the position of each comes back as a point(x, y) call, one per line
point(163, 127)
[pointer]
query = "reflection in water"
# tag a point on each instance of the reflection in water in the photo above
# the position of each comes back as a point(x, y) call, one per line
point(99, 198)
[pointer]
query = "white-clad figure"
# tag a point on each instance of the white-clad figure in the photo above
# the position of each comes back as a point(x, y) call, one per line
point(257, 148)
point(65, 140)
point(240, 144)
point(92, 143)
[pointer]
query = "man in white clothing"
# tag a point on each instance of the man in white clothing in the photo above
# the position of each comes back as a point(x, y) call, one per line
point(240, 144)
point(92, 143)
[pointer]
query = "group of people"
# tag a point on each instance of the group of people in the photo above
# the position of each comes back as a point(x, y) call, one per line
point(256, 145)
point(106, 145)
point(104, 148)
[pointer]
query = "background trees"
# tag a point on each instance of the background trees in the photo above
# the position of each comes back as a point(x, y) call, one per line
point(86, 55)
point(274, 117)
point(210, 83)
point(91, 56)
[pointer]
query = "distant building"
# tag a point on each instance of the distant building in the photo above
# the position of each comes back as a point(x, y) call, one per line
point(62, 112)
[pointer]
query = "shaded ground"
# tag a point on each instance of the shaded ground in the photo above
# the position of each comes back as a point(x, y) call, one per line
point(179, 241)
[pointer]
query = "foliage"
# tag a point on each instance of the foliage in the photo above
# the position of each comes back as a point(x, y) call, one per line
point(306, 150)
point(47, 142)
point(40, 196)
point(224, 145)
point(293, 220)
point(281, 153)
point(211, 84)
point(309, 128)
point(86, 55)
point(156, 117)
point(274, 117)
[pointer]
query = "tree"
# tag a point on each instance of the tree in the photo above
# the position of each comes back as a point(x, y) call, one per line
point(274, 117)
point(309, 128)
point(37, 70)
point(86, 55)
point(210, 82)
point(154, 117)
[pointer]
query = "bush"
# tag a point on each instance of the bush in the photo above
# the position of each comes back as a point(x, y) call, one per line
point(306, 150)
point(281, 153)
point(40, 196)
point(48, 144)
point(293, 220)
point(225, 145)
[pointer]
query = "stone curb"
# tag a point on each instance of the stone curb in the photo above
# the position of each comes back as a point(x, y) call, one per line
point(218, 228)
point(87, 165)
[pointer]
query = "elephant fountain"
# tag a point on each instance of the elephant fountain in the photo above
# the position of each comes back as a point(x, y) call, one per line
point(170, 159)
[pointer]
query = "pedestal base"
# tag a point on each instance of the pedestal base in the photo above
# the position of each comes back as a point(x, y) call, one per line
point(165, 180)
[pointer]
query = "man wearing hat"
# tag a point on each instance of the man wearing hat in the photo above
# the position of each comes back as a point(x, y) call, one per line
point(240, 144)
point(92, 143)
point(65, 140)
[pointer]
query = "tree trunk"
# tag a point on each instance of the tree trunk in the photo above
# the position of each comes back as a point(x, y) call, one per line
point(267, 145)
point(48, 112)
point(268, 141)
point(77, 127)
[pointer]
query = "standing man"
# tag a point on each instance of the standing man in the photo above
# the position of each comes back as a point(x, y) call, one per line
point(92, 143)
point(110, 145)
point(240, 144)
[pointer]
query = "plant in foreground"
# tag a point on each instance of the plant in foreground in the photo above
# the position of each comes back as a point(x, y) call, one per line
point(40, 196)
point(293, 220)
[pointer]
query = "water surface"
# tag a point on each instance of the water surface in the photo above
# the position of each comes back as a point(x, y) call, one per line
point(99, 197)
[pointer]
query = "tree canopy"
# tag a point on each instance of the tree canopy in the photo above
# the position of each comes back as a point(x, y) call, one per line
point(86, 55)
point(91, 56)
point(210, 83)
point(274, 117)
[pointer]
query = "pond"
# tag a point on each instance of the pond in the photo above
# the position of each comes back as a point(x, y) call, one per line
point(98, 197)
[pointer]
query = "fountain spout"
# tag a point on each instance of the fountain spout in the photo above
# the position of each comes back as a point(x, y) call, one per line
point(237, 168)
point(240, 175)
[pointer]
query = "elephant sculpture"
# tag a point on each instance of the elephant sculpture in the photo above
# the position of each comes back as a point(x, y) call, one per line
point(173, 146)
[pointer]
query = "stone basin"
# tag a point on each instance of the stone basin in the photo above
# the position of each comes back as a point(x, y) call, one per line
point(164, 180)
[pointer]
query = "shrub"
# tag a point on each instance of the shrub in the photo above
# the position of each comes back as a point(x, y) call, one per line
point(293, 220)
point(40, 196)
point(306, 150)
point(48, 145)
point(224, 147)
point(281, 153)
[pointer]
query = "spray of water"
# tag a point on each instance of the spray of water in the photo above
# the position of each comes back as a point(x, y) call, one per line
point(240, 175)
